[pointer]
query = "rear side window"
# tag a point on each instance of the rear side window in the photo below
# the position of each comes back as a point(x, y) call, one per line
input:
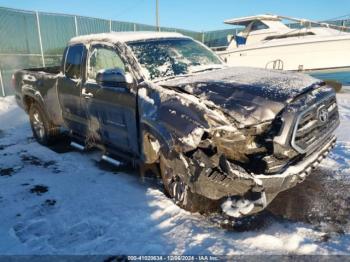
point(74, 61)
point(103, 58)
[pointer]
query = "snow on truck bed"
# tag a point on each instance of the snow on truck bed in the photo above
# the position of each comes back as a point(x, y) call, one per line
point(57, 201)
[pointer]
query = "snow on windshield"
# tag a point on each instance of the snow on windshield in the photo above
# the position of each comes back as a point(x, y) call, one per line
point(171, 57)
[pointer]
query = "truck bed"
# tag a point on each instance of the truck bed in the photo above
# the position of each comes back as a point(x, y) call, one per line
point(49, 70)
point(39, 78)
point(42, 80)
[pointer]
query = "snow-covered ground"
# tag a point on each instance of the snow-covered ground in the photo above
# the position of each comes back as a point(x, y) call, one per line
point(58, 201)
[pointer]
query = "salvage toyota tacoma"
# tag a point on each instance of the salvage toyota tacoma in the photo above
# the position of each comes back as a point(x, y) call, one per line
point(230, 136)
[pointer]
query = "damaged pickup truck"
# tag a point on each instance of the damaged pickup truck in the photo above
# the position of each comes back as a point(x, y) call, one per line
point(223, 136)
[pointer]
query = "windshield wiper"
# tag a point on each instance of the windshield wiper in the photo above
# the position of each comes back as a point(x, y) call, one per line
point(209, 68)
point(203, 69)
point(169, 78)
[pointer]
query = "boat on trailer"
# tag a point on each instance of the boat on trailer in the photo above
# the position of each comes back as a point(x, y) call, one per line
point(267, 42)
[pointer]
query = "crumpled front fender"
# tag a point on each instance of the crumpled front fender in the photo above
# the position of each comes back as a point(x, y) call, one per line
point(178, 120)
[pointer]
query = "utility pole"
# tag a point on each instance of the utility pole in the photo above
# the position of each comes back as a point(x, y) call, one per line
point(157, 15)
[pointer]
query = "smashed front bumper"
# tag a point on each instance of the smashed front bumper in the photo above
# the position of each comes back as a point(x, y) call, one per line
point(274, 184)
point(244, 194)
point(296, 173)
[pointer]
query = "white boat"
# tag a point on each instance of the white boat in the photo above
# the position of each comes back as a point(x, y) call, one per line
point(267, 42)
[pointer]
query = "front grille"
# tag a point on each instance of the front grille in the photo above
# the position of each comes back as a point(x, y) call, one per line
point(315, 124)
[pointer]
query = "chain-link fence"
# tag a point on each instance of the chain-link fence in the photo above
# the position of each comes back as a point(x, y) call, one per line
point(35, 39)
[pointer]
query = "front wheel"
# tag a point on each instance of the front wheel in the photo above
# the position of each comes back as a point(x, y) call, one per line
point(43, 130)
point(180, 192)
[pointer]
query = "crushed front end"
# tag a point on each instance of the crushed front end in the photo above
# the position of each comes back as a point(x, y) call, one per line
point(246, 167)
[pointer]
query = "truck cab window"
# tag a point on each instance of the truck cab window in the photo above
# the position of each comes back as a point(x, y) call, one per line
point(102, 58)
point(73, 62)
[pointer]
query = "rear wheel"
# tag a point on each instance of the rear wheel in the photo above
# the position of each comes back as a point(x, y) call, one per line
point(43, 130)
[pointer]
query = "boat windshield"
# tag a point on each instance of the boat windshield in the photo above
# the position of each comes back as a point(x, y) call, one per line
point(162, 58)
point(254, 25)
point(257, 25)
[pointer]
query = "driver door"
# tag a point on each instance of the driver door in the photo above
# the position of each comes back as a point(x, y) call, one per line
point(111, 109)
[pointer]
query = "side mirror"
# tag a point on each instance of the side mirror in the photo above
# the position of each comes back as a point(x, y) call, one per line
point(113, 77)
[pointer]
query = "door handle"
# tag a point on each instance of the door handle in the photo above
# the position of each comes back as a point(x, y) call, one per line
point(87, 95)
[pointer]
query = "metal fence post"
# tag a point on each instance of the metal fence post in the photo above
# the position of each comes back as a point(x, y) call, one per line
point(2, 85)
point(203, 37)
point(76, 25)
point(134, 27)
point(40, 41)
point(110, 25)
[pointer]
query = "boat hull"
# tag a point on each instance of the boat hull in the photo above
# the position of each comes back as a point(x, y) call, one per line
point(298, 56)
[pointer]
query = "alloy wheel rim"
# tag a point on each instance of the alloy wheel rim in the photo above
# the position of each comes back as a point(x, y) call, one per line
point(177, 188)
point(38, 125)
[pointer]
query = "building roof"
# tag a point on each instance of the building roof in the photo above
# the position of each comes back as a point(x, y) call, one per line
point(124, 37)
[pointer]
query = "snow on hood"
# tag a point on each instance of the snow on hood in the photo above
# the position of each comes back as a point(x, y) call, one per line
point(272, 83)
point(250, 95)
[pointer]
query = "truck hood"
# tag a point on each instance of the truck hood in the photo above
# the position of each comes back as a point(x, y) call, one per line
point(249, 95)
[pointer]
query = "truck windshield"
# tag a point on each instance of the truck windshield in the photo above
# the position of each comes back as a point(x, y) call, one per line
point(172, 57)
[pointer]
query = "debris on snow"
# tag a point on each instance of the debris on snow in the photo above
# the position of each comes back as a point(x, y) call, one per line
point(39, 189)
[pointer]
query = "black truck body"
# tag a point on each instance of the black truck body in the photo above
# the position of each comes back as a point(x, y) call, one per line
point(235, 137)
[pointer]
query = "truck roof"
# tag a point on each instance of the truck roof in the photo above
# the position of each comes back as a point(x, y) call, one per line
point(124, 37)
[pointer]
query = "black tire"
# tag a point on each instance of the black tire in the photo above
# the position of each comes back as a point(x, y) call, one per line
point(43, 130)
point(181, 193)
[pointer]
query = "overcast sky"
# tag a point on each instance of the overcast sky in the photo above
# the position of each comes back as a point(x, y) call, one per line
point(199, 15)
